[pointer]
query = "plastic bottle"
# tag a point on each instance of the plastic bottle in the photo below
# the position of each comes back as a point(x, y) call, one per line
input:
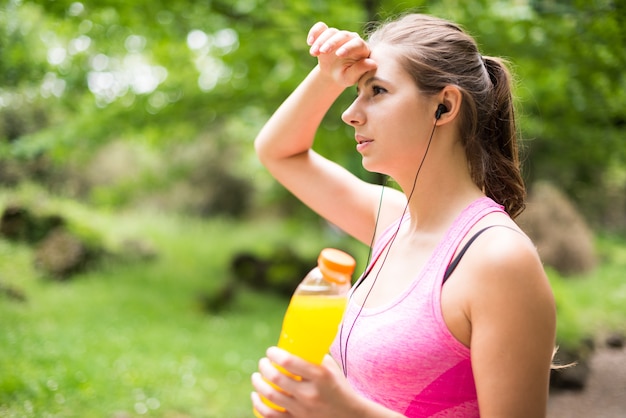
point(316, 308)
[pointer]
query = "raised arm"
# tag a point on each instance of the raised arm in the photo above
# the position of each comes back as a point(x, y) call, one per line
point(284, 144)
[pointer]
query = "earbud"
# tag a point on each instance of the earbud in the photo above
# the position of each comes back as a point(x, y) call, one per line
point(441, 109)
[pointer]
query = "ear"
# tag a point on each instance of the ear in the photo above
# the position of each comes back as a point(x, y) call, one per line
point(451, 97)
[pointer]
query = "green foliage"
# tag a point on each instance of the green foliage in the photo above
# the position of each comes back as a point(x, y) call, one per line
point(78, 75)
point(593, 305)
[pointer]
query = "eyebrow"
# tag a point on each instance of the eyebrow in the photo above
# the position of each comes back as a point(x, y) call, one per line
point(371, 80)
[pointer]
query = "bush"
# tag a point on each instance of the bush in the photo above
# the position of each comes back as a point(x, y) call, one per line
point(563, 238)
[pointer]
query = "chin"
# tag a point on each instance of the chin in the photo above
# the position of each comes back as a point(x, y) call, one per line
point(372, 167)
point(369, 168)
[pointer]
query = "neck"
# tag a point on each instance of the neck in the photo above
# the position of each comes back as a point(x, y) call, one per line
point(443, 189)
point(436, 213)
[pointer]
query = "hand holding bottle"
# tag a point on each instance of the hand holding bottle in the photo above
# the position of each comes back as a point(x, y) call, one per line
point(315, 311)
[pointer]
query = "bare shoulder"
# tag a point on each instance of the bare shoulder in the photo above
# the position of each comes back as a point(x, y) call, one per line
point(507, 256)
point(506, 267)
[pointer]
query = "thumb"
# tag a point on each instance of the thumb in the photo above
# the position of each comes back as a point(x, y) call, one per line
point(331, 365)
point(356, 71)
point(369, 64)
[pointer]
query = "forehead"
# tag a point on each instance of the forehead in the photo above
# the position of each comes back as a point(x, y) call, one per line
point(388, 65)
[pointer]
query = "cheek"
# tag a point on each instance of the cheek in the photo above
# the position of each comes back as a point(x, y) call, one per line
point(418, 124)
point(408, 129)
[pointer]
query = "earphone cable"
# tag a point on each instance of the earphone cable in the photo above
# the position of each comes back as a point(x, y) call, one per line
point(343, 353)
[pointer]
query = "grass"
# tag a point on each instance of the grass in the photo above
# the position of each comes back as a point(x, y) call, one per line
point(593, 305)
point(131, 340)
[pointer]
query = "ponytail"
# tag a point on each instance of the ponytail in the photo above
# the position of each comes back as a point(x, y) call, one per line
point(502, 179)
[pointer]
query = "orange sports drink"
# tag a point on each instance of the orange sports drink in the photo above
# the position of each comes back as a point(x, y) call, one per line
point(315, 310)
point(310, 325)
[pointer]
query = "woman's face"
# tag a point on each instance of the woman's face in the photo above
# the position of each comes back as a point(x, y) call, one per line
point(391, 117)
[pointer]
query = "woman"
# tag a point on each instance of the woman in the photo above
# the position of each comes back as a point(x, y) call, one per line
point(432, 328)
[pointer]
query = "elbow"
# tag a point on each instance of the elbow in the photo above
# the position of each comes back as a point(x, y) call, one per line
point(261, 150)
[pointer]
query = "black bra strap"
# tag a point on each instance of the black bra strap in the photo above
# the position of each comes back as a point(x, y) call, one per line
point(458, 257)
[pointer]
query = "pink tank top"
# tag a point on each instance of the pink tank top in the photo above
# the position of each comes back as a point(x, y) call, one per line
point(402, 355)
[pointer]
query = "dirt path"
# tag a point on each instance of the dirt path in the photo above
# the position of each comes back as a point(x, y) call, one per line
point(604, 395)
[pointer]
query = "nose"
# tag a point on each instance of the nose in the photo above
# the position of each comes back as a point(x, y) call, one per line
point(353, 116)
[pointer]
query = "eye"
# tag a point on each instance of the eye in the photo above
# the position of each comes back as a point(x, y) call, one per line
point(376, 90)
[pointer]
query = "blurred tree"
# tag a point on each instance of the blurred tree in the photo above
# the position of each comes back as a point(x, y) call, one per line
point(578, 92)
point(160, 73)
point(186, 62)
point(76, 75)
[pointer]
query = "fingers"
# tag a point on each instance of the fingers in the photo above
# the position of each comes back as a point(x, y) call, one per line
point(324, 40)
point(332, 40)
point(331, 364)
point(275, 374)
point(315, 31)
point(293, 366)
point(320, 40)
point(274, 399)
point(359, 68)
point(354, 46)
point(342, 55)
point(299, 396)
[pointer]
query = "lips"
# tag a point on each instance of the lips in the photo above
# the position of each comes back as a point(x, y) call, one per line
point(362, 142)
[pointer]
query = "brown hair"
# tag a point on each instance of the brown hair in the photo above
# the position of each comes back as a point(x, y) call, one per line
point(437, 53)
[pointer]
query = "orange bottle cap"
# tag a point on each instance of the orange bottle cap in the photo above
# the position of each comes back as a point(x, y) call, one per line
point(336, 265)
